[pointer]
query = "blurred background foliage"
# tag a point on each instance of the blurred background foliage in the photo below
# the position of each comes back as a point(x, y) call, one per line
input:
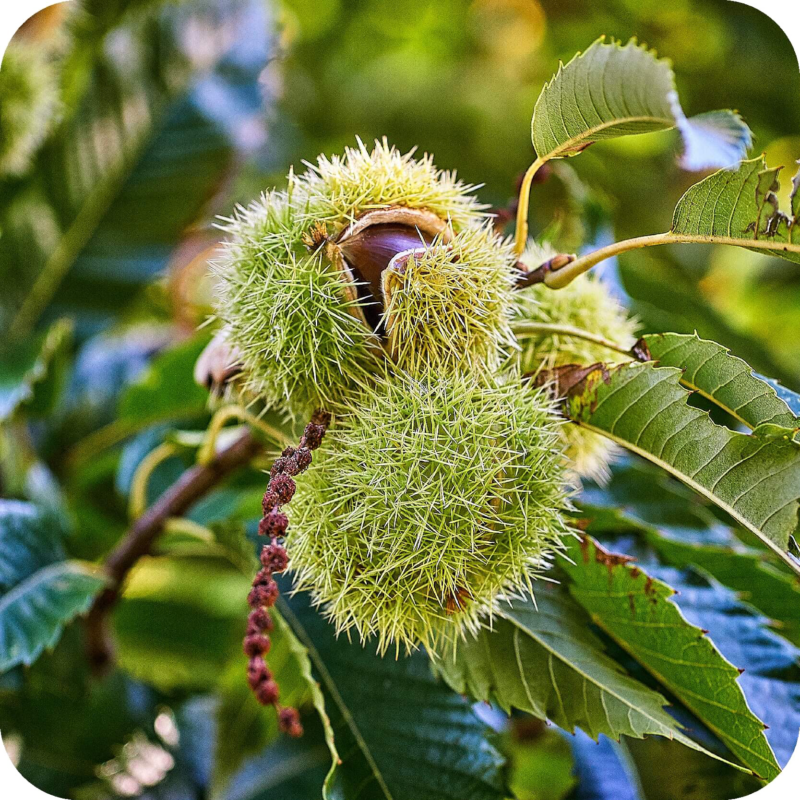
point(166, 114)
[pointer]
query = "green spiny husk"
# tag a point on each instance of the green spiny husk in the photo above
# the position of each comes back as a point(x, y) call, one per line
point(586, 304)
point(286, 314)
point(429, 500)
point(289, 317)
point(450, 307)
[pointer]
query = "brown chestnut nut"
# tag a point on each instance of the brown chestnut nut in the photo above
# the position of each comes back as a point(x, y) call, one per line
point(364, 250)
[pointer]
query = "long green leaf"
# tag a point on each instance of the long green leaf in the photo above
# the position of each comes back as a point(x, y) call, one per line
point(641, 501)
point(613, 90)
point(755, 478)
point(775, 593)
point(543, 659)
point(710, 369)
point(770, 678)
point(634, 610)
point(741, 208)
point(400, 734)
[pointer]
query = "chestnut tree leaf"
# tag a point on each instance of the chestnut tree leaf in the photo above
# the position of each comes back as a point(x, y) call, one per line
point(644, 505)
point(544, 659)
point(712, 371)
point(635, 610)
point(613, 90)
point(754, 477)
point(770, 679)
point(400, 734)
point(40, 592)
point(741, 208)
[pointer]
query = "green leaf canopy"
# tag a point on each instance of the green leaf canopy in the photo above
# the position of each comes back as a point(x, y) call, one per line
point(543, 659)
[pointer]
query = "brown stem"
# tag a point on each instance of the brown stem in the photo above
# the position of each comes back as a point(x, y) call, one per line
point(139, 539)
point(525, 277)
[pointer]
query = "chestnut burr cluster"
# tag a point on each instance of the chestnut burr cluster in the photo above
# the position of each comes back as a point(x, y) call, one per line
point(274, 558)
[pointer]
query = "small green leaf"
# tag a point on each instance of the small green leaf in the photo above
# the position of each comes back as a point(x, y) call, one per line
point(740, 208)
point(543, 659)
point(400, 734)
point(710, 369)
point(613, 90)
point(753, 477)
point(634, 610)
point(30, 371)
point(34, 612)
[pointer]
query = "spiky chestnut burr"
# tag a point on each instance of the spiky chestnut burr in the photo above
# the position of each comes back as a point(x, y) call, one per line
point(301, 289)
point(586, 304)
point(264, 593)
point(432, 498)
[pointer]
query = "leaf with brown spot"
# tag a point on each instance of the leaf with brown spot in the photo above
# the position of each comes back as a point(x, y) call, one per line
point(634, 609)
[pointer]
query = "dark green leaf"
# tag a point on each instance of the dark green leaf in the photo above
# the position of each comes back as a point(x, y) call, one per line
point(69, 721)
point(741, 208)
point(641, 500)
point(399, 733)
point(771, 677)
point(543, 659)
point(774, 593)
point(711, 370)
point(33, 613)
point(634, 610)
point(39, 591)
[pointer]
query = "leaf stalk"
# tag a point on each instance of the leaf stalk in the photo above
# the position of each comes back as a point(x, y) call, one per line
point(521, 235)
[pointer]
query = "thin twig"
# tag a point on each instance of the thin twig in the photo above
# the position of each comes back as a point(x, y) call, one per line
point(138, 541)
point(559, 278)
point(527, 329)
